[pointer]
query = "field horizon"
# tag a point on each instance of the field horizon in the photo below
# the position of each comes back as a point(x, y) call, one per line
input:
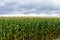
point(30, 15)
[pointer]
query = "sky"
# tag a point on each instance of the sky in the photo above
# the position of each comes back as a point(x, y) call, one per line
point(30, 7)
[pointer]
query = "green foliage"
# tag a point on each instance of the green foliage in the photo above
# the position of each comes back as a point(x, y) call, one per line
point(25, 28)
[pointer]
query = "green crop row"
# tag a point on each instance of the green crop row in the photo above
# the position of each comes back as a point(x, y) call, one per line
point(29, 28)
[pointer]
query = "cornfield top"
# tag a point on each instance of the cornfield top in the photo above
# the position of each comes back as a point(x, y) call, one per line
point(29, 28)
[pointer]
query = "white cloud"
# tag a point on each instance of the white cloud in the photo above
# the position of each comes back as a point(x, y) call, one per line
point(55, 2)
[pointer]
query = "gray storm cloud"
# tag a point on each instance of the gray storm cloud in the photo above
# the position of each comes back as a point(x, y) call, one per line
point(29, 6)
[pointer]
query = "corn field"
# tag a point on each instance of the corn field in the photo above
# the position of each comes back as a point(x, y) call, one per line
point(29, 28)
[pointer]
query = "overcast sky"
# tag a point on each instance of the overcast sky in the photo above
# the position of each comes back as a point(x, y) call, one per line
point(16, 7)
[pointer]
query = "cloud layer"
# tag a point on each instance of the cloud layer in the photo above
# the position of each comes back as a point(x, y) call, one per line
point(29, 7)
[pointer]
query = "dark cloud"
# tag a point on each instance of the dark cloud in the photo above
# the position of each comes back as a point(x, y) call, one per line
point(37, 8)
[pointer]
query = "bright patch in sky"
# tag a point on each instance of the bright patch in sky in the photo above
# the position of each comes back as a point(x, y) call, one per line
point(30, 7)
